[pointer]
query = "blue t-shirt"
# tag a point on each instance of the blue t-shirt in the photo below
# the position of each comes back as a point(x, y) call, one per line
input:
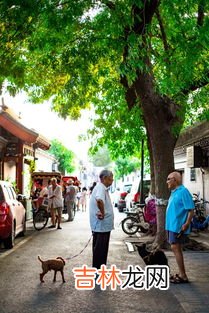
point(179, 204)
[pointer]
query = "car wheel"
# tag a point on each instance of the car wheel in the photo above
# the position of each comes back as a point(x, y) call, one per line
point(9, 241)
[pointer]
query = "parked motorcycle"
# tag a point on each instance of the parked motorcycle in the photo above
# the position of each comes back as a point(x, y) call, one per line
point(199, 221)
point(135, 220)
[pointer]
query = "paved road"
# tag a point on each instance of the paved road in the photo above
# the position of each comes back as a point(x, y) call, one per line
point(21, 291)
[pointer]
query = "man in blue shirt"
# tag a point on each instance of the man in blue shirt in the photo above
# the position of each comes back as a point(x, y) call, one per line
point(179, 214)
point(101, 218)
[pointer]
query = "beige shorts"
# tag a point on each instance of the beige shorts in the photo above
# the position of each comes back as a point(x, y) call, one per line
point(57, 210)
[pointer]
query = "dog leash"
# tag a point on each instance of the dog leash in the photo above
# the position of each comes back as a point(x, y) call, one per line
point(86, 245)
point(74, 256)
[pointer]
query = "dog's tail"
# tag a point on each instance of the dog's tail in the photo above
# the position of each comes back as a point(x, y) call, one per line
point(40, 259)
point(59, 257)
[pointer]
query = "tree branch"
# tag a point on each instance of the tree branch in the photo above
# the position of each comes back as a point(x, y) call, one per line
point(164, 38)
point(141, 18)
point(109, 4)
point(130, 93)
point(200, 17)
point(196, 84)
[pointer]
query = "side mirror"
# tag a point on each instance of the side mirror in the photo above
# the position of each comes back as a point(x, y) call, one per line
point(20, 197)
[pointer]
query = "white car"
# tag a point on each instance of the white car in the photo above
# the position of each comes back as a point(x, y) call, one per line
point(12, 215)
point(118, 197)
point(134, 195)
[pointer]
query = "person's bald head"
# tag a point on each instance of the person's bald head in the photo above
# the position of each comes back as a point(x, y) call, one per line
point(174, 180)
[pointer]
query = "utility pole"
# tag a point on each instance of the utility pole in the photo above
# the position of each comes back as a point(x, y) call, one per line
point(142, 174)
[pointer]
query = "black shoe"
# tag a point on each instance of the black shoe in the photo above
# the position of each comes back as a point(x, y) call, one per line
point(59, 227)
point(52, 226)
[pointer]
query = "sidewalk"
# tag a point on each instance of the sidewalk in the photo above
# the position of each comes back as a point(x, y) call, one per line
point(192, 297)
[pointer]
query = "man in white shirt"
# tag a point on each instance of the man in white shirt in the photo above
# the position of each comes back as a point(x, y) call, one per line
point(70, 199)
point(101, 218)
point(55, 202)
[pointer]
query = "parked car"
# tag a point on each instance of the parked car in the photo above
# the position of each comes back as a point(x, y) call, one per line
point(12, 215)
point(120, 200)
point(134, 195)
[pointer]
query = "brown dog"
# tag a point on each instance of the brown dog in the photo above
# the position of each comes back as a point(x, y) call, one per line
point(52, 264)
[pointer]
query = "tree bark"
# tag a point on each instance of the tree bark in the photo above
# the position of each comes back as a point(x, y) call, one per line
point(160, 113)
point(160, 117)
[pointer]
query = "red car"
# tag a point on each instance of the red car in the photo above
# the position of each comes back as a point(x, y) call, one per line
point(12, 215)
point(120, 197)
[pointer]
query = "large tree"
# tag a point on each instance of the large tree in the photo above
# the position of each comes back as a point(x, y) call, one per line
point(65, 157)
point(150, 56)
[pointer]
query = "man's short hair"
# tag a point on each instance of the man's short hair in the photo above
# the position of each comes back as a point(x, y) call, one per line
point(105, 173)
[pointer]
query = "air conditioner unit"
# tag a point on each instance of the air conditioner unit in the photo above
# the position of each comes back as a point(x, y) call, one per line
point(196, 157)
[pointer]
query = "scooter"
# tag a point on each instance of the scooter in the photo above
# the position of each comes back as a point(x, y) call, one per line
point(135, 220)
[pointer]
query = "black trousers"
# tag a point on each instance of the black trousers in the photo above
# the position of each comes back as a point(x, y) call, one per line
point(100, 248)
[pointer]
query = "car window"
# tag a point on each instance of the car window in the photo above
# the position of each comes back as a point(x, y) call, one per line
point(127, 188)
point(9, 192)
point(13, 193)
point(146, 186)
point(1, 194)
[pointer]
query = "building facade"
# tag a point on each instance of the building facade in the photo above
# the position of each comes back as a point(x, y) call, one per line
point(191, 156)
point(21, 151)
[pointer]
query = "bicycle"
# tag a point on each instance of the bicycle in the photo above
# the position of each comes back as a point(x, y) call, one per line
point(41, 216)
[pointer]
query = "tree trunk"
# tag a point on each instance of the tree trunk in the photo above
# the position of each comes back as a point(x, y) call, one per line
point(160, 117)
point(163, 143)
point(152, 173)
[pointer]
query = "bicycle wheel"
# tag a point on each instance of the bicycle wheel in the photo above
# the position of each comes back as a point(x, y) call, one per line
point(129, 225)
point(40, 219)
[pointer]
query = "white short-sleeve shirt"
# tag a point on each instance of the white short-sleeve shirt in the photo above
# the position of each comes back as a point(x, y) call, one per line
point(107, 224)
point(57, 201)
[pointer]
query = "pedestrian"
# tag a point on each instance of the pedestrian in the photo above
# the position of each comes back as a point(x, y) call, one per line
point(78, 197)
point(150, 214)
point(40, 193)
point(180, 211)
point(83, 199)
point(70, 198)
point(55, 203)
point(101, 218)
point(92, 187)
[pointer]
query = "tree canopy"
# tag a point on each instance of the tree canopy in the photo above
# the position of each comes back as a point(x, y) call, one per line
point(101, 157)
point(81, 44)
point(83, 52)
point(125, 166)
point(64, 156)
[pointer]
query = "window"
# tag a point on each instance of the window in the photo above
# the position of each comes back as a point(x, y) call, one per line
point(192, 174)
point(1, 194)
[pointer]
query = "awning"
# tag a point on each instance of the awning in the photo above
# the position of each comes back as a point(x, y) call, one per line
point(10, 122)
point(44, 175)
point(197, 134)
